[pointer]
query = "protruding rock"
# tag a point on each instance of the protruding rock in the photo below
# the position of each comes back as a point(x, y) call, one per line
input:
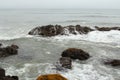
point(49, 30)
point(83, 29)
point(66, 62)
point(74, 53)
point(9, 50)
point(114, 62)
point(51, 77)
point(15, 77)
point(4, 77)
point(53, 30)
point(2, 72)
point(8, 78)
point(107, 28)
point(0, 44)
point(14, 46)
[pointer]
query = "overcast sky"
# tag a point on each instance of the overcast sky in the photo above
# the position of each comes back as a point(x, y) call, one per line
point(111, 4)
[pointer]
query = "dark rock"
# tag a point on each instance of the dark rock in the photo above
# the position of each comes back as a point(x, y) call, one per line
point(14, 46)
point(2, 72)
point(15, 77)
point(9, 50)
point(107, 28)
point(48, 30)
point(4, 77)
point(53, 30)
point(0, 44)
point(66, 62)
point(8, 78)
point(74, 53)
point(83, 30)
point(114, 62)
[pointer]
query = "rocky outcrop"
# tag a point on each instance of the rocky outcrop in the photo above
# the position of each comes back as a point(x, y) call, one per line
point(107, 28)
point(114, 62)
point(66, 62)
point(74, 53)
point(4, 77)
point(53, 30)
point(48, 30)
point(9, 50)
point(51, 77)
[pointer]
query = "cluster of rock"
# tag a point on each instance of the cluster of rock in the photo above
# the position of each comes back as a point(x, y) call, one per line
point(53, 30)
point(8, 50)
point(71, 54)
point(5, 52)
point(66, 62)
point(67, 56)
point(4, 77)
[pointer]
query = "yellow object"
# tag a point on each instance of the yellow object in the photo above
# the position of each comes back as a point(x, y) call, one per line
point(51, 77)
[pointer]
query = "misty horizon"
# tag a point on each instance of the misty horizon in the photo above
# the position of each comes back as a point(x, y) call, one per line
point(60, 4)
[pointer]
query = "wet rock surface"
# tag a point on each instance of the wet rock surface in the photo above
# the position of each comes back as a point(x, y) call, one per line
point(8, 50)
point(75, 53)
point(113, 62)
point(66, 62)
point(48, 30)
point(107, 28)
point(53, 30)
point(4, 77)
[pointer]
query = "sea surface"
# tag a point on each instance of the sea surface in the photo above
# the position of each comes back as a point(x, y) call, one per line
point(38, 55)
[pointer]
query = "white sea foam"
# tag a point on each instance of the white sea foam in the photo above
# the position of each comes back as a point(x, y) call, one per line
point(94, 36)
point(86, 72)
point(79, 72)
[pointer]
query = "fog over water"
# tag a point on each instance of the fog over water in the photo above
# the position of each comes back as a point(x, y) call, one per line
point(106, 4)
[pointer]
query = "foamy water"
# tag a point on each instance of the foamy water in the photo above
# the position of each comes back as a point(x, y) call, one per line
point(37, 55)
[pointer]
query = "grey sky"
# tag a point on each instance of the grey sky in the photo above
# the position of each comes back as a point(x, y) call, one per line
point(114, 4)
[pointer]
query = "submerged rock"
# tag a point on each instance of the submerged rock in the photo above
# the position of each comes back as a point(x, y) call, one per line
point(75, 53)
point(51, 77)
point(107, 28)
point(9, 50)
point(114, 62)
point(4, 77)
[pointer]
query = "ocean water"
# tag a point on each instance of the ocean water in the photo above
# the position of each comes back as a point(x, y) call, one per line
point(37, 55)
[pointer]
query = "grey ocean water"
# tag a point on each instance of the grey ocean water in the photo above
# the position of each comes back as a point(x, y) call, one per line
point(37, 55)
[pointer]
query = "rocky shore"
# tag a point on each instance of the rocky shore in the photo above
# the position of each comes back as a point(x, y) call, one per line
point(64, 63)
point(53, 30)
point(67, 56)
